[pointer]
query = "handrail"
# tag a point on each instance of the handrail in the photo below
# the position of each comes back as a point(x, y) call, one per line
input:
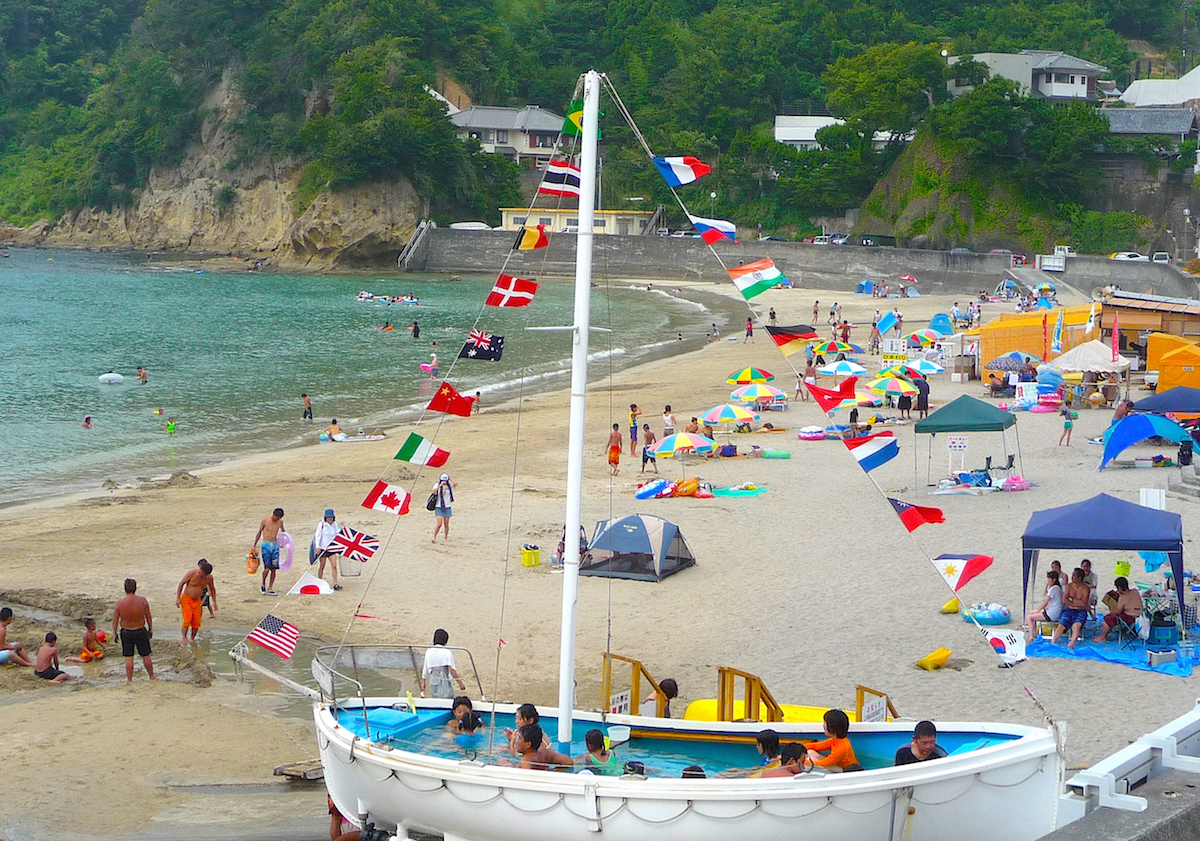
point(756, 697)
point(410, 247)
point(635, 679)
point(860, 693)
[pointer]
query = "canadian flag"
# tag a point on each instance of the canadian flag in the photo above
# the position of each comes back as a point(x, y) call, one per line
point(510, 291)
point(385, 497)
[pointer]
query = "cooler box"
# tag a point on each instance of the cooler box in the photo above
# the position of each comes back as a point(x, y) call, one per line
point(531, 555)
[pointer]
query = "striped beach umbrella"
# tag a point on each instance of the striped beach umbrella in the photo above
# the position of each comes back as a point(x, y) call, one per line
point(892, 385)
point(842, 368)
point(860, 398)
point(748, 393)
point(748, 376)
point(682, 442)
point(917, 367)
point(728, 412)
point(925, 337)
point(830, 348)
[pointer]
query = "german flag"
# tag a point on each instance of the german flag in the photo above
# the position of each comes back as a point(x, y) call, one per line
point(531, 238)
point(792, 339)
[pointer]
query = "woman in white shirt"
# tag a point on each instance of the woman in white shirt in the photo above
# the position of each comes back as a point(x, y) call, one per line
point(327, 530)
point(1049, 610)
point(668, 421)
point(439, 669)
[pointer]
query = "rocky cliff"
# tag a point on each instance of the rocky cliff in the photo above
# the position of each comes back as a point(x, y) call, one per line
point(209, 204)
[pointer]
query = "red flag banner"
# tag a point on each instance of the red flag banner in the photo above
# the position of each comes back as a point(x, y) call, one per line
point(509, 291)
point(1116, 338)
point(959, 569)
point(915, 516)
point(448, 400)
point(828, 398)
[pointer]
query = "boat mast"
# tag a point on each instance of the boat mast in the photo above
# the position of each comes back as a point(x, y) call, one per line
point(579, 356)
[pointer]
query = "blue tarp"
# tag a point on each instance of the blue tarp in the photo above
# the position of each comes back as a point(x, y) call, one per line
point(1102, 522)
point(940, 323)
point(1133, 428)
point(1178, 399)
point(1134, 656)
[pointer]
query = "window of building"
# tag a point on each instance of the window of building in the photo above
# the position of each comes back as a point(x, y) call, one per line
point(519, 220)
point(501, 136)
point(600, 223)
point(642, 224)
point(573, 220)
point(489, 135)
point(1072, 79)
point(1061, 78)
point(543, 141)
point(545, 220)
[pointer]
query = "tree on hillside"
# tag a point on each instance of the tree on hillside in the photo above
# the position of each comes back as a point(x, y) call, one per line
point(887, 88)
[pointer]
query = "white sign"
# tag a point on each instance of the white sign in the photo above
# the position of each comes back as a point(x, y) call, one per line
point(1027, 391)
point(1009, 645)
point(957, 443)
point(874, 709)
point(898, 346)
point(619, 703)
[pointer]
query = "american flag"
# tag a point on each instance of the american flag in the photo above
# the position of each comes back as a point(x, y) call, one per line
point(276, 635)
point(354, 544)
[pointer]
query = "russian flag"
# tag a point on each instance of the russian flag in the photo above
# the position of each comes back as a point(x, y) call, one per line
point(680, 171)
point(873, 450)
point(713, 230)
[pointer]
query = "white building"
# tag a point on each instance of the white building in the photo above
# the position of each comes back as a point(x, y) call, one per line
point(515, 133)
point(801, 132)
point(566, 219)
point(1042, 74)
point(1183, 92)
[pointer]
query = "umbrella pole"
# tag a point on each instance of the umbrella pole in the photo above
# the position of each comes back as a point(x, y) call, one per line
point(1020, 460)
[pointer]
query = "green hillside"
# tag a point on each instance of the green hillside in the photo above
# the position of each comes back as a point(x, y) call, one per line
point(95, 92)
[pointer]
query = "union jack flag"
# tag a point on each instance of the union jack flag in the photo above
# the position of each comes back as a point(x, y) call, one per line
point(354, 544)
point(482, 345)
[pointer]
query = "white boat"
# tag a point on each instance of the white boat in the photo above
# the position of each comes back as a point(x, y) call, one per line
point(388, 761)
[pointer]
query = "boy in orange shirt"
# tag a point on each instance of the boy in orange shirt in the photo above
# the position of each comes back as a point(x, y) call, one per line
point(841, 752)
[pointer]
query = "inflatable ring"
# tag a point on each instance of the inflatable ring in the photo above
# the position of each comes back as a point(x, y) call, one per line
point(988, 613)
point(651, 489)
point(811, 433)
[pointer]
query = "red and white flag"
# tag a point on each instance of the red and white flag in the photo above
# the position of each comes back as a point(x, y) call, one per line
point(354, 544)
point(385, 497)
point(959, 569)
point(830, 398)
point(276, 635)
point(448, 400)
point(509, 291)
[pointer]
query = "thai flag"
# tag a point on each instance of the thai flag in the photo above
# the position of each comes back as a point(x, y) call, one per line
point(680, 171)
point(873, 450)
point(561, 179)
point(713, 230)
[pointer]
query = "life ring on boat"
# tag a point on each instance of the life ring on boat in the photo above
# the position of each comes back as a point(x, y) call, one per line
point(811, 433)
point(987, 613)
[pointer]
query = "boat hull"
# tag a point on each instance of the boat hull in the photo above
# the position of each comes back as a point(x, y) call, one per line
point(1007, 792)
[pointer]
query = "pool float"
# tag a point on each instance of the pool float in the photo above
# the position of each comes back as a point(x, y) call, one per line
point(837, 431)
point(775, 454)
point(323, 438)
point(379, 436)
point(1042, 408)
point(667, 491)
point(111, 379)
point(651, 489)
point(704, 493)
point(987, 613)
point(934, 659)
point(687, 487)
point(387, 329)
point(811, 433)
point(426, 367)
point(285, 551)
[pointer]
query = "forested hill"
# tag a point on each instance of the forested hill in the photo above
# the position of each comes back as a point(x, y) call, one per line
point(96, 92)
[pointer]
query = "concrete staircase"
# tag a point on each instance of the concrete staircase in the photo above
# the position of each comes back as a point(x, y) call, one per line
point(1188, 483)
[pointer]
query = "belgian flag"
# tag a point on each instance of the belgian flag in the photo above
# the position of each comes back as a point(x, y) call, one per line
point(792, 339)
point(530, 238)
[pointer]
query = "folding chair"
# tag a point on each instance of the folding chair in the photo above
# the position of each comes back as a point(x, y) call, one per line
point(1127, 633)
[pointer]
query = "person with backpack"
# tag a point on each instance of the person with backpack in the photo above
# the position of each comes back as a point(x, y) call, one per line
point(442, 498)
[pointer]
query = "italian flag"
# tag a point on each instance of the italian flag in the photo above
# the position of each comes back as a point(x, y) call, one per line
point(419, 451)
point(756, 278)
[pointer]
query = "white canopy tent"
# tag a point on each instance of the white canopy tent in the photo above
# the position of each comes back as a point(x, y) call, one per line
point(1094, 356)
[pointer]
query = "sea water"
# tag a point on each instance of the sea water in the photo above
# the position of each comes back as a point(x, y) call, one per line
point(228, 355)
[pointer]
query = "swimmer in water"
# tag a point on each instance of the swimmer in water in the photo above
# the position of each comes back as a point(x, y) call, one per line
point(143, 378)
point(87, 421)
point(170, 427)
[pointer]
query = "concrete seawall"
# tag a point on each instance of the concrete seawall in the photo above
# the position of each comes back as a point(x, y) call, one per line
point(816, 266)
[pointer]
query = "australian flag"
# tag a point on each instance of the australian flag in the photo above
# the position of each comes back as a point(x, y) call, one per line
point(482, 345)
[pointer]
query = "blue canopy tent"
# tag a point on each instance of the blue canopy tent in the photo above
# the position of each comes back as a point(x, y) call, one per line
point(1133, 428)
point(1178, 399)
point(940, 323)
point(1102, 522)
point(639, 546)
point(864, 287)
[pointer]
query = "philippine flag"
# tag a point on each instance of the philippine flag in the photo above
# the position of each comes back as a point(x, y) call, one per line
point(713, 230)
point(873, 450)
point(959, 569)
point(680, 171)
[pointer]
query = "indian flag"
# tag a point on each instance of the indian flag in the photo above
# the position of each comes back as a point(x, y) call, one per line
point(419, 451)
point(756, 278)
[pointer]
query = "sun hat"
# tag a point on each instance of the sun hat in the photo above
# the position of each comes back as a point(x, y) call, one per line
point(328, 513)
point(445, 477)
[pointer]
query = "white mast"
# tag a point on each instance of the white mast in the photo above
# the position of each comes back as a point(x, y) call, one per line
point(579, 356)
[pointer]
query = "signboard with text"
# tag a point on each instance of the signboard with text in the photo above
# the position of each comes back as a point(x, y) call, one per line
point(957, 443)
point(618, 703)
point(875, 709)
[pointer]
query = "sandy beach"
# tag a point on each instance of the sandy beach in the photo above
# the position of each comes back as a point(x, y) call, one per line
point(815, 585)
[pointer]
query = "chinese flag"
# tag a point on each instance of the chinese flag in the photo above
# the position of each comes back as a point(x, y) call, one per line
point(448, 400)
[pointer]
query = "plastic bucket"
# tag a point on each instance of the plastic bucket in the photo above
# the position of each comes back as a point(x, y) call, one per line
point(618, 733)
point(531, 556)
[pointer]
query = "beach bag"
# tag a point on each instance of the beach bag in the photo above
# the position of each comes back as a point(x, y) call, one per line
point(431, 503)
point(728, 450)
point(252, 562)
point(440, 685)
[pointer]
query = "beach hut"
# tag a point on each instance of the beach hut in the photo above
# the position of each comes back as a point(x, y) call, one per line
point(965, 414)
point(638, 546)
point(1179, 367)
point(1102, 522)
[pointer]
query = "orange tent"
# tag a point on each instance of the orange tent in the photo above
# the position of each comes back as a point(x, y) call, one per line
point(1179, 367)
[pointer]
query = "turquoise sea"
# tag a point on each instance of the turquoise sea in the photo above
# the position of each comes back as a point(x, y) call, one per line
point(229, 353)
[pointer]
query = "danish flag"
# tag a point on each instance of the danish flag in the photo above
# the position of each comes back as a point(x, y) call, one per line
point(510, 291)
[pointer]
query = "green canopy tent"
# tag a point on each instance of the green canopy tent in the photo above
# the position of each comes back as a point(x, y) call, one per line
point(966, 414)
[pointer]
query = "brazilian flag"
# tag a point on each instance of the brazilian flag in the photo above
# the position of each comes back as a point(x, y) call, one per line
point(573, 124)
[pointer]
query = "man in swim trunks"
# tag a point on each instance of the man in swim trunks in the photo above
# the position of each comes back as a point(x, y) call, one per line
point(615, 443)
point(189, 596)
point(433, 365)
point(142, 377)
point(634, 414)
point(269, 530)
point(10, 652)
point(307, 408)
point(1076, 598)
point(47, 661)
point(648, 441)
point(132, 619)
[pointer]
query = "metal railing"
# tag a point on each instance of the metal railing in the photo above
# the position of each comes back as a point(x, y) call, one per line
point(756, 696)
point(414, 241)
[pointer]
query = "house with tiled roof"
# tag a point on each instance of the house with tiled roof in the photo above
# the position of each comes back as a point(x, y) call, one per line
point(516, 133)
point(1179, 124)
point(1042, 74)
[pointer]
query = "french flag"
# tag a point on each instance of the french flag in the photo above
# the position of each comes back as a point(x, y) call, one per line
point(714, 230)
point(873, 450)
point(680, 171)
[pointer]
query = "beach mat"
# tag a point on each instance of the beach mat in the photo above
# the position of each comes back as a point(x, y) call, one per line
point(734, 492)
point(1108, 652)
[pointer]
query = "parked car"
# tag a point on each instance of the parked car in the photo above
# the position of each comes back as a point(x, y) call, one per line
point(961, 249)
point(1017, 259)
point(1129, 257)
point(1160, 257)
point(821, 240)
point(838, 239)
point(773, 238)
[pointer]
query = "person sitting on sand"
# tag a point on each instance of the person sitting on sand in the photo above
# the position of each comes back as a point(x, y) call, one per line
point(1127, 608)
point(923, 746)
point(1075, 607)
point(1050, 608)
point(47, 661)
point(10, 652)
point(791, 761)
point(333, 429)
point(598, 759)
point(91, 649)
point(693, 426)
point(841, 752)
point(536, 758)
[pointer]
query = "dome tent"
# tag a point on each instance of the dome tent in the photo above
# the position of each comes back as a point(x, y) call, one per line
point(638, 546)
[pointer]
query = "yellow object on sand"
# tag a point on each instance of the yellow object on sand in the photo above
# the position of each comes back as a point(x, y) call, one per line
point(951, 606)
point(934, 659)
point(705, 709)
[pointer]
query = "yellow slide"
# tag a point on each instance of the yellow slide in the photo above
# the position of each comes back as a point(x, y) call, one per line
point(705, 709)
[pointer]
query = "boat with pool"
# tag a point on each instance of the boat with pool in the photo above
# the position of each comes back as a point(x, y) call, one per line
point(390, 760)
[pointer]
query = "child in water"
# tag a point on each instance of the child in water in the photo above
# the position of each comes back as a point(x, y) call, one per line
point(598, 759)
point(91, 649)
point(170, 427)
